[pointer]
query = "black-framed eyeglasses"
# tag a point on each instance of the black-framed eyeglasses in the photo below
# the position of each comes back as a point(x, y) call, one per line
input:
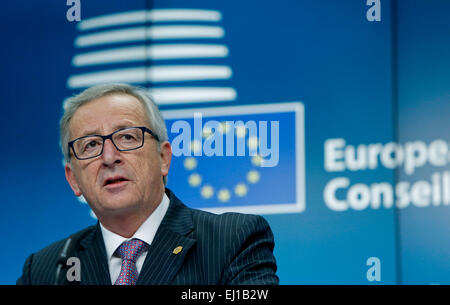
point(124, 139)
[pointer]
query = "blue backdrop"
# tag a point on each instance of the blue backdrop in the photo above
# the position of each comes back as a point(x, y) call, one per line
point(363, 110)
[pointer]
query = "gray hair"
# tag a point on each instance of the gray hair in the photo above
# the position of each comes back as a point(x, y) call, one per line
point(72, 104)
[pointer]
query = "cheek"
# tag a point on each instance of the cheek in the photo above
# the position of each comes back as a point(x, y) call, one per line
point(88, 179)
point(148, 169)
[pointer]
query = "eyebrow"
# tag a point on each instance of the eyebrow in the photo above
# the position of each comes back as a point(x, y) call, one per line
point(97, 132)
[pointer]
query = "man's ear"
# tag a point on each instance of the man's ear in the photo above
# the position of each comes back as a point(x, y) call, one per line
point(70, 177)
point(166, 156)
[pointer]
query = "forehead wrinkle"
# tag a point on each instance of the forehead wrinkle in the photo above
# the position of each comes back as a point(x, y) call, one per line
point(131, 114)
point(116, 127)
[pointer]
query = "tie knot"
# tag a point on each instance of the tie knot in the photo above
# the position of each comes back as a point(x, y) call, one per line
point(131, 249)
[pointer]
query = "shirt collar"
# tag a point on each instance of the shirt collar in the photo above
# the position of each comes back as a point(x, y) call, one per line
point(146, 231)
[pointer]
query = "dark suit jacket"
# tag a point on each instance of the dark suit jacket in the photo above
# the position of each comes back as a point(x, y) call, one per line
point(230, 248)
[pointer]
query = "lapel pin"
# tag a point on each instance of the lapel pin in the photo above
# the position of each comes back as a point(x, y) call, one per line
point(177, 250)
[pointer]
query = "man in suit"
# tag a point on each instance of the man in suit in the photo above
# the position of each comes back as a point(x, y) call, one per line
point(117, 156)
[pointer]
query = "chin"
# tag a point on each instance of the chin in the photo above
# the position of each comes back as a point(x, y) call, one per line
point(119, 205)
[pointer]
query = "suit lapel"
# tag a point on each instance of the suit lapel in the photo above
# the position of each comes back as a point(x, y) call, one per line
point(162, 261)
point(94, 265)
point(170, 245)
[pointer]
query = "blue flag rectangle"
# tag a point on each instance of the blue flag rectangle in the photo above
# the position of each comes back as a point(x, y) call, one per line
point(246, 159)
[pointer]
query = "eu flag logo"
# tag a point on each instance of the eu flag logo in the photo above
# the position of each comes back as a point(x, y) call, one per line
point(247, 159)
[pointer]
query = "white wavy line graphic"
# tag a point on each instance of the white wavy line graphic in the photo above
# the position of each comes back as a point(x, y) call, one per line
point(153, 52)
point(151, 74)
point(178, 95)
point(152, 33)
point(155, 15)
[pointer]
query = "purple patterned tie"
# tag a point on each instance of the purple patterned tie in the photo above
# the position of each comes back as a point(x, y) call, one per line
point(129, 251)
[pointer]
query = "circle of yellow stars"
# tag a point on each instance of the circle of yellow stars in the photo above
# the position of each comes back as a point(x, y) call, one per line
point(223, 194)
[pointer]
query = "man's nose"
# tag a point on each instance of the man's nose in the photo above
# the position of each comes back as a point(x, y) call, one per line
point(110, 153)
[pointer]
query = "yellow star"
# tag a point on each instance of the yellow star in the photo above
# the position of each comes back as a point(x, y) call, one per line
point(253, 176)
point(257, 160)
point(241, 131)
point(224, 127)
point(207, 131)
point(190, 163)
point(240, 189)
point(253, 142)
point(207, 191)
point(194, 180)
point(224, 195)
point(196, 146)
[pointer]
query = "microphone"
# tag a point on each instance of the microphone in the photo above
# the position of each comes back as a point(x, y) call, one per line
point(69, 247)
point(62, 257)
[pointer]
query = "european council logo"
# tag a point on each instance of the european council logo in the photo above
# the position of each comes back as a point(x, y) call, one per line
point(236, 158)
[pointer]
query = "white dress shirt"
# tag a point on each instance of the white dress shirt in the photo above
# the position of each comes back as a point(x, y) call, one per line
point(146, 233)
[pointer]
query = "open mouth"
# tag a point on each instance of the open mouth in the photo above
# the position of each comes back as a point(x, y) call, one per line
point(114, 180)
